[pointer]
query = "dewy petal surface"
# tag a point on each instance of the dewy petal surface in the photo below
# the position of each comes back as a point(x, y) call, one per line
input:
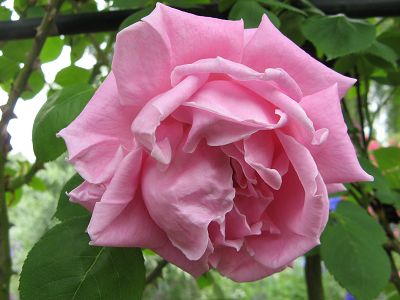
point(269, 48)
point(105, 126)
point(186, 197)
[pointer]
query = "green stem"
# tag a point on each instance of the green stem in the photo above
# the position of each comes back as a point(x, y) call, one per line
point(313, 274)
point(156, 272)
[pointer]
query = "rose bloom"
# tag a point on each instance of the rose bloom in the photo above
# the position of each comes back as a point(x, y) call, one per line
point(213, 145)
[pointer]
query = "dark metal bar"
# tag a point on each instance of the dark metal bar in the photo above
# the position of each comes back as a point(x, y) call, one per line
point(110, 20)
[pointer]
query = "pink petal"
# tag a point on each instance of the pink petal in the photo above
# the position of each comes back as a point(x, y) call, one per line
point(335, 188)
point(188, 196)
point(239, 266)
point(271, 49)
point(96, 139)
point(336, 158)
point(175, 256)
point(253, 207)
point(87, 194)
point(121, 219)
point(217, 114)
point(259, 154)
point(190, 37)
point(158, 109)
point(276, 77)
point(299, 210)
point(141, 64)
point(268, 86)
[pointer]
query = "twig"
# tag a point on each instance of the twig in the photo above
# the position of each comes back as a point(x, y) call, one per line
point(19, 85)
point(313, 276)
point(25, 178)
point(156, 272)
point(395, 279)
point(360, 112)
point(353, 129)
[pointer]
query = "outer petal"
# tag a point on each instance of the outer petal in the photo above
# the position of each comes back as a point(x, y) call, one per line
point(121, 219)
point(141, 64)
point(240, 266)
point(95, 137)
point(335, 188)
point(189, 196)
point(175, 256)
point(336, 158)
point(269, 48)
point(87, 194)
point(190, 37)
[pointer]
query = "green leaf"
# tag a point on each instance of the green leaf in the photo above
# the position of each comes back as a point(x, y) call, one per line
point(20, 5)
point(250, 11)
point(133, 18)
point(5, 14)
point(337, 35)
point(384, 52)
point(351, 247)
point(72, 75)
point(187, 3)
point(35, 12)
point(13, 198)
point(290, 27)
point(130, 3)
point(78, 45)
point(35, 84)
point(280, 4)
point(389, 162)
point(63, 266)
point(224, 5)
point(391, 38)
point(8, 68)
point(52, 49)
point(60, 110)
point(66, 209)
point(37, 184)
point(17, 50)
point(380, 184)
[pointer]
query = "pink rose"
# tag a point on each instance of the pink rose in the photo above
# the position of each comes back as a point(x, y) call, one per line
point(213, 145)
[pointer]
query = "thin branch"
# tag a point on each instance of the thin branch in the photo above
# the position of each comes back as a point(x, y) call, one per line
point(367, 112)
point(45, 28)
point(25, 178)
point(156, 272)
point(313, 274)
point(360, 112)
point(395, 279)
